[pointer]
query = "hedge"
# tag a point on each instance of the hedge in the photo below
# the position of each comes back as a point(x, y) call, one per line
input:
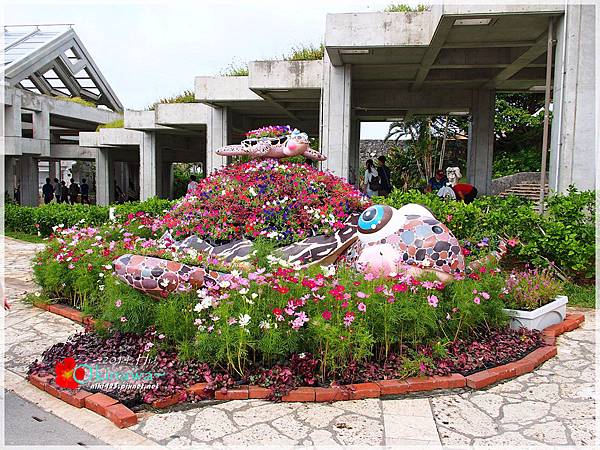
point(29, 219)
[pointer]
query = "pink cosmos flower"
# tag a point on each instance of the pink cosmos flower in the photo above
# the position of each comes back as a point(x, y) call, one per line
point(348, 318)
point(477, 300)
point(361, 294)
point(123, 319)
point(369, 276)
point(432, 300)
point(485, 295)
point(118, 303)
point(362, 307)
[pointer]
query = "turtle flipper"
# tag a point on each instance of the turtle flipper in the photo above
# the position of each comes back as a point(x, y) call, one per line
point(232, 150)
point(314, 155)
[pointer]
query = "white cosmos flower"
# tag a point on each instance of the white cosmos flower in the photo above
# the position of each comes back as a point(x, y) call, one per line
point(264, 325)
point(243, 320)
point(243, 291)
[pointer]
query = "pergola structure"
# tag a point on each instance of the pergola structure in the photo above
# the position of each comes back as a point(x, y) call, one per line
point(45, 67)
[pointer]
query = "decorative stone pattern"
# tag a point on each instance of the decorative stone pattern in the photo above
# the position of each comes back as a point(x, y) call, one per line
point(553, 405)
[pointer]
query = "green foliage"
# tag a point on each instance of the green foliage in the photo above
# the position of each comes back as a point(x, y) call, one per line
point(584, 296)
point(77, 100)
point(403, 8)
point(118, 123)
point(508, 163)
point(186, 96)
point(305, 52)
point(564, 235)
point(31, 220)
point(235, 70)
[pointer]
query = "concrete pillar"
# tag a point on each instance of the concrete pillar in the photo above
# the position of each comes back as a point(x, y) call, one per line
point(573, 147)
point(167, 180)
point(480, 152)
point(12, 120)
point(335, 116)
point(354, 161)
point(104, 177)
point(10, 175)
point(217, 135)
point(150, 163)
point(29, 180)
point(54, 169)
point(41, 128)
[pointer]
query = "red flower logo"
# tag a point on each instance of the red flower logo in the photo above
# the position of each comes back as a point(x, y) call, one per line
point(64, 373)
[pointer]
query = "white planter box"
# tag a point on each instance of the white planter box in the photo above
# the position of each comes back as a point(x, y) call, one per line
point(540, 318)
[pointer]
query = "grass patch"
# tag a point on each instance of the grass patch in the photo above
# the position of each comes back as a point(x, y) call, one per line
point(308, 52)
point(403, 8)
point(119, 123)
point(33, 238)
point(186, 96)
point(78, 100)
point(584, 296)
point(235, 70)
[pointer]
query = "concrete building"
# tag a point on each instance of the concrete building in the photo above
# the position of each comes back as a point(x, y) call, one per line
point(448, 60)
point(45, 68)
point(376, 67)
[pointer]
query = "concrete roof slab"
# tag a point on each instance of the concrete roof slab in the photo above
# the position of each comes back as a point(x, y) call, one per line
point(219, 90)
point(268, 75)
point(182, 114)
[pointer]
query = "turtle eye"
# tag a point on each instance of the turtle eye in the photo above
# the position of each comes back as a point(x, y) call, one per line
point(374, 218)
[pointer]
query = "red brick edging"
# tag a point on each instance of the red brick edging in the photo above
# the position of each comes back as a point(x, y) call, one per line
point(122, 416)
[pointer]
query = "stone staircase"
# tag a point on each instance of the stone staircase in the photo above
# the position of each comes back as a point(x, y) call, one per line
point(527, 189)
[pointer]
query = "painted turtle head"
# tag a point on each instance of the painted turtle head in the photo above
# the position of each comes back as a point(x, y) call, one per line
point(296, 144)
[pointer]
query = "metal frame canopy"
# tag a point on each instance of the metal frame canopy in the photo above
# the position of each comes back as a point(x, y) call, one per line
point(51, 60)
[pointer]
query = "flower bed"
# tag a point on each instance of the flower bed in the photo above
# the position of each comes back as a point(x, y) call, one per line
point(267, 324)
point(282, 201)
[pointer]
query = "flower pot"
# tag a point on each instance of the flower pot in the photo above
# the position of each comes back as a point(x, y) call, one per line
point(540, 318)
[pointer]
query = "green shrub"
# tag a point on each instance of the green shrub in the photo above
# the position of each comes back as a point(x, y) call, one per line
point(118, 123)
point(77, 100)
point(306, 52)
point(403, 8)
point(186, 96)
point(235, 70)
point(564, 235)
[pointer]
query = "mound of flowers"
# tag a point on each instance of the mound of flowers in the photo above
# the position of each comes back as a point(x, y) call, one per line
point(285, 202)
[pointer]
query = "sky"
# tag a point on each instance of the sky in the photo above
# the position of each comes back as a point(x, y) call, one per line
point(153, 49)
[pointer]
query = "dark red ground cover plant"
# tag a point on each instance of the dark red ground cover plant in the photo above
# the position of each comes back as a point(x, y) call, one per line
point(488, 349)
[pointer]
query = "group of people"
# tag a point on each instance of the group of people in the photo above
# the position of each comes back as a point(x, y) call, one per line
point(378, 179)
point(66, 194)
point(446, 185)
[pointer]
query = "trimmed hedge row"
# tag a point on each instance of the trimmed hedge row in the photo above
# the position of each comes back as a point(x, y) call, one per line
point(29, 219)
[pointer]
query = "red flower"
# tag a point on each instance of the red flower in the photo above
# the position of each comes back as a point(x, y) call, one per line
point(64, 373)
point(326, 315)
point(399, 287)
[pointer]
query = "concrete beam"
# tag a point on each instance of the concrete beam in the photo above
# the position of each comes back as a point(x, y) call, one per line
point(402, 98)
point(521, 62)
point(287, 75)
point(72, 152)
point(441, 33)
point(182, 114)
point(142, 121)
point(213, 90)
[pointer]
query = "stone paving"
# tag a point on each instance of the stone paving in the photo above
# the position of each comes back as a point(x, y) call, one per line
point(553, 405)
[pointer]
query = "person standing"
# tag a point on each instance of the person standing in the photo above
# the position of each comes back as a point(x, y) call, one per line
point(193, 184)
point(48, 191)
point(64, 192)
point(73, 191)
point(85, 192)
point(385, 177)
point(372, 180)
point(56, 186)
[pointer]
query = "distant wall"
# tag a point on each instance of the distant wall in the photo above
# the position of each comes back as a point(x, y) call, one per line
point(372, 148)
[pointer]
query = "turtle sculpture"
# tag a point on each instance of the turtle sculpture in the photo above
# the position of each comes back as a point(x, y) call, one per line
point(273, 142)
point(381, 241)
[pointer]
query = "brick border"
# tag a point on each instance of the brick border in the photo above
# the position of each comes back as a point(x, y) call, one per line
point(122, 416)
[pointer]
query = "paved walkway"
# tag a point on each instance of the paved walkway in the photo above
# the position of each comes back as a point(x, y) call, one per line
point(553, 405)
